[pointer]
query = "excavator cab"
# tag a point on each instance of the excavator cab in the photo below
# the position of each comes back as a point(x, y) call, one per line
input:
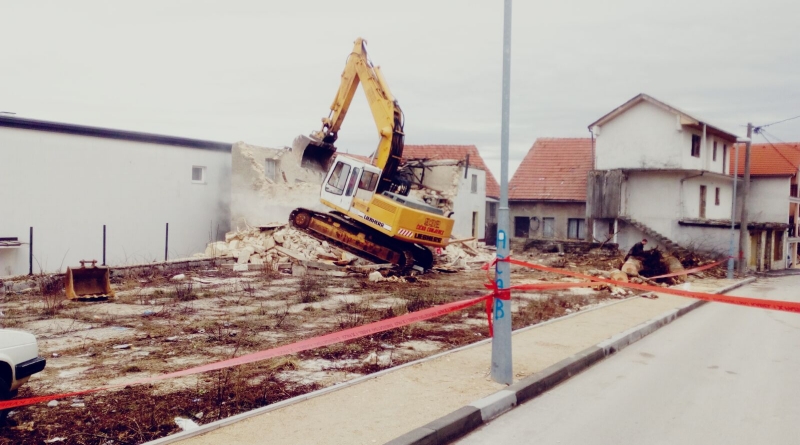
point(350, 183)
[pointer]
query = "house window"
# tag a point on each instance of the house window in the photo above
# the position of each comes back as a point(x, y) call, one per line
point(491, 209)
point(714, 153)
point(724, 159)
point(198, 174)
point(576, 228)
point(549, 227)
point(716, 197)
point(702, 201)
point(793, 190)
point(695, 146)
point(271, 169)
point(474, 187)
point(522, 225)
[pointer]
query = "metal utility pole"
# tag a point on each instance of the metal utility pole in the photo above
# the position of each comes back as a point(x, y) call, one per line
point(745, 190)
point(501, 342)
point(732, 250)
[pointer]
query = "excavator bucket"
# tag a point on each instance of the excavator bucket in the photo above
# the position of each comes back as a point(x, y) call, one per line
point(93, 282)
point(317, 155)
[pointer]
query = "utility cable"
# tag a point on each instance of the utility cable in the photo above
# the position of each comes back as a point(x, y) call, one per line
point(762, 126)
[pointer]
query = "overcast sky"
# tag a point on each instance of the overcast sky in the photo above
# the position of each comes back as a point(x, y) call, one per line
point(265, 71)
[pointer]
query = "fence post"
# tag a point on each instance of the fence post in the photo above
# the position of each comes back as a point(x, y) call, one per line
point(104, 244)
point(166, 244)
point(30, 252)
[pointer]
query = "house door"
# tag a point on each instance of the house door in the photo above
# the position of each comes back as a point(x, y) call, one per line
point(755, 243)
point(768, 251)
point(702, 201)
point(475, 224)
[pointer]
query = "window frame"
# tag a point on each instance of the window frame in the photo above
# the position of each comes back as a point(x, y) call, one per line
point(518, 224)
point(202, 170)
point(352, 182)
point(696, 142)
point(580, 228)
point(552, 221)
point(274, 169)
point(703, 201)
point(372, 184)
point(340, 179)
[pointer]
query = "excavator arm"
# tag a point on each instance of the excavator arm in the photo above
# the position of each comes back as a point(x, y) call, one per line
point(385, 111)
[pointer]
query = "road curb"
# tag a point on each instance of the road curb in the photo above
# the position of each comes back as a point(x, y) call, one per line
point(453, 425)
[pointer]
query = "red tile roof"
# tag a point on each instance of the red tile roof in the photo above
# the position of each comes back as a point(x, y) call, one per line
point(458, 152)
point(555, 169)
point(780, 159)
point(357, 157)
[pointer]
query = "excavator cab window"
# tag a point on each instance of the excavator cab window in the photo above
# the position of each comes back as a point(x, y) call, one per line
point(338, 178)
point(369, 181)
point(351, 184)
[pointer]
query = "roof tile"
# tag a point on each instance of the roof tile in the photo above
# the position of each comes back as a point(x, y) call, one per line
point(555, 169)
point(769, 159)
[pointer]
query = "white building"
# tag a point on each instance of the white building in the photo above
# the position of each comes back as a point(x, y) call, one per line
point(67, 181)
point(664, 175)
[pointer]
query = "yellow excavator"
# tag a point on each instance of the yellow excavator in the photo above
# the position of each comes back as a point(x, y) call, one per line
point(372, 215)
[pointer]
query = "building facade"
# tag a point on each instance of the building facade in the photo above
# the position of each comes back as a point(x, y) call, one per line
point(547, 194)
point(67, 182)
point(663, 174)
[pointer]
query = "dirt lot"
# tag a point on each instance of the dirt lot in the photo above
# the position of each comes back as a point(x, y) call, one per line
point(158, 324)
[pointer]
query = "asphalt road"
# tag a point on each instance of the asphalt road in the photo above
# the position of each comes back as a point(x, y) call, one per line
point(722, 374)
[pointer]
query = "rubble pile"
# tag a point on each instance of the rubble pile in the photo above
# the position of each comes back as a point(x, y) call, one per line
point(435, 198)
point(463, 255)
point(275, 244)
point(280, 245)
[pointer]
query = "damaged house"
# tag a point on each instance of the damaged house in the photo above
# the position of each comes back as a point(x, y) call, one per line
point(662, 174)
point(547, 195)
point(268, 183)
point(456, 179)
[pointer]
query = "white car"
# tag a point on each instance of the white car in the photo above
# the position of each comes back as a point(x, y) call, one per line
point(19, 359)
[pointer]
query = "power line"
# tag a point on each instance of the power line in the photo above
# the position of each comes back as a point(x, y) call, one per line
point(762, 126)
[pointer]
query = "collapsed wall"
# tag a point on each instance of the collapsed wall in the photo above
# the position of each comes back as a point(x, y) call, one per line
point(435, 182)
point(268, 183)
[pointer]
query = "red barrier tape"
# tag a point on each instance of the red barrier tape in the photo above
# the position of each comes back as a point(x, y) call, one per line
point(303, 345)
point(688, 271)
point(425, 314)
point(787, 306)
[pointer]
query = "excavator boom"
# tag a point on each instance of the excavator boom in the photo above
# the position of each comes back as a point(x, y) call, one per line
point(385, 111)
point(371, 215)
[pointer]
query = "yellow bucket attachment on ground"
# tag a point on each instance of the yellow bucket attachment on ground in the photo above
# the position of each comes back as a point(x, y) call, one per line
point(88, 282)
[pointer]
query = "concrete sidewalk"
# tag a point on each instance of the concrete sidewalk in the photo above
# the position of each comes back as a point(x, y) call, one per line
point(401, 403)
